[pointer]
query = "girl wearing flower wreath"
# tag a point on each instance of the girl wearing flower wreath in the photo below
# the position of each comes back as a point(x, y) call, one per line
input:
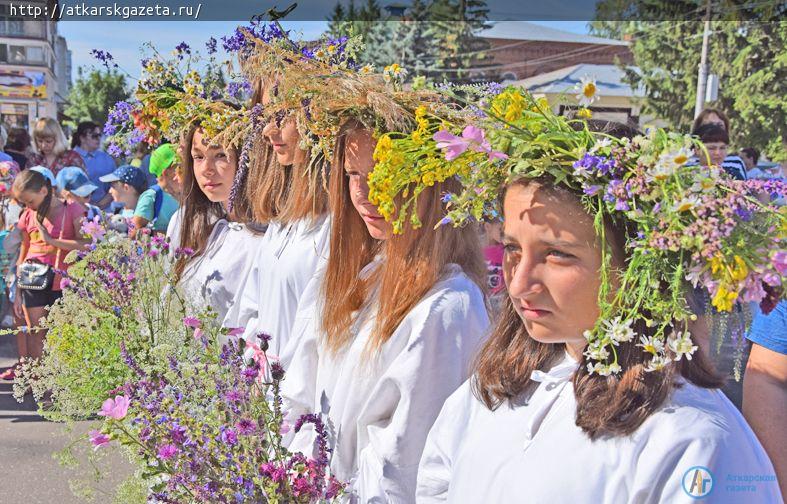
point(591, 369)
point(220, 240)
point(394, 322)
point(293, 202)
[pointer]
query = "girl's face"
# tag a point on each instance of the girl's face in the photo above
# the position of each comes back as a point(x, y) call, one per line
point(45, 145)
point(284, 137)
point(358, 163)
point(32, 199)
point(551, 264)
point(214, 168)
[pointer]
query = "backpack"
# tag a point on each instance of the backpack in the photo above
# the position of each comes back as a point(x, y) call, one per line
point(159, 200)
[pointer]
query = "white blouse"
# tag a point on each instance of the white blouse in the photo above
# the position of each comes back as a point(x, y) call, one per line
point(285, 262)
point(532, 451)
point(379, 408)
point(217, 277)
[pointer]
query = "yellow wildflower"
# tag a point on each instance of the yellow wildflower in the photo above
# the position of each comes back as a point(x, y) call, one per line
point(741, 271)
point(724, 299)
point(585, 113)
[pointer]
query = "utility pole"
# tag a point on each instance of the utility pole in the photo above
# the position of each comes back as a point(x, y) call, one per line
point(702, 78)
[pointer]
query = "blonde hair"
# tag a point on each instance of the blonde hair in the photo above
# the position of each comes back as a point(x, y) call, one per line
point(46, 127)
point(414, 261)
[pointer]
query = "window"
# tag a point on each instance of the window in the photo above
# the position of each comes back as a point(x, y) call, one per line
point(35, 55)
point(16, 54)
point(3, 53)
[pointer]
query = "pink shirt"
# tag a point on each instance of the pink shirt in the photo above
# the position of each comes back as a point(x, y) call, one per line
point(39, 250)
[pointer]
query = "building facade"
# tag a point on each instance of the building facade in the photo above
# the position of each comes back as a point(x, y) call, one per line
point(35, 67)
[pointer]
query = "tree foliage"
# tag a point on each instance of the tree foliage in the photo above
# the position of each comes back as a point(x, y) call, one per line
point(747, 51)
point(93, 95)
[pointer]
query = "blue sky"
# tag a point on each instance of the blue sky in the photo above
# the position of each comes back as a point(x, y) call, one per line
point(124, 39)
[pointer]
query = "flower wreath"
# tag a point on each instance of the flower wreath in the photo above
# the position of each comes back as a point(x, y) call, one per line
point(694, 225)
point(319, 86)
point(171, 96)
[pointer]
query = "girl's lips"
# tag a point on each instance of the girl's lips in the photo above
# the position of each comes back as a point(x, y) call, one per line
point(371, 218)
point(534, 313)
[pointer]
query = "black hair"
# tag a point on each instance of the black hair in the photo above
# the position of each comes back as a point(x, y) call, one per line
point(709, 133)
point(83, 129)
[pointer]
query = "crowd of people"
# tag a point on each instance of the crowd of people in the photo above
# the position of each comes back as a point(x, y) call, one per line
point(451, 363)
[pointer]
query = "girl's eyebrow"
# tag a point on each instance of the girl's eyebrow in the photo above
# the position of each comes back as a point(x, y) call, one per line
point(550, 243)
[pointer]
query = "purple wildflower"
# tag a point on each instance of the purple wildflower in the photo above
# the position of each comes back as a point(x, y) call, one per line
point(211, 45)
point(167, 451)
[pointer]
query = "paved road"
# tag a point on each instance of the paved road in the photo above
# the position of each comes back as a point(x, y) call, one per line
point(28, 473)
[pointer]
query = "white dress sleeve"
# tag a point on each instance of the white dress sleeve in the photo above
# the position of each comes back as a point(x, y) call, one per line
point(442, 445)
point(300, 379)
point(444, 337)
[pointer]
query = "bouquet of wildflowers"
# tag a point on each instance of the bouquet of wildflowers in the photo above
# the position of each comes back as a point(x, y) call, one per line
point(200, 422)
point(209, 428)
point(112, 294)
point(691, 225)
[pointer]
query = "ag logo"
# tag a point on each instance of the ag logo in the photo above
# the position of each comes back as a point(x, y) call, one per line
point(697, 482)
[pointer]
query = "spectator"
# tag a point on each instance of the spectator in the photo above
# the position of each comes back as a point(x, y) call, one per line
point(141, 160)
point(716, 140)
point(75, 187)
point(86, 142)
point(3, 139)
point(750, 157)
point(18, 146)
point(53, 151)
point(765, 386)
point(50, 230)
point(732, 164)
point(164, 167)
point(144, 206)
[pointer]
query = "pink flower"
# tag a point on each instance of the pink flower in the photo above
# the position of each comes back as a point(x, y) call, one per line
point(197, 333)
point(235, 331)
point(472, 137)
point(453, 144)
point(284, 428)
point(167, 451)
point(98, 439)
point(116, 408)
point(258, 356)
point(65, 283)
point(93, 229)
point(192, 322)
point(780, 262)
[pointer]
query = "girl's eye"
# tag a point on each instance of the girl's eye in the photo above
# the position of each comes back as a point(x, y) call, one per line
point(221, 155)
point(559, 254)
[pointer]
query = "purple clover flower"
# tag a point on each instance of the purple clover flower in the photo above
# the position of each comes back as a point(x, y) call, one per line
point(211, 45)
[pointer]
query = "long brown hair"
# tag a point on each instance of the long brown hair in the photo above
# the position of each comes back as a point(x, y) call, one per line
point(198, 212)
point(285, 193)
point(606, 405)
point(413, 261)
point(31, 180)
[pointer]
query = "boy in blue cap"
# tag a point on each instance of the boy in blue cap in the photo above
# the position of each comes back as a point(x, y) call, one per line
point(129, 186)
point(75, 187)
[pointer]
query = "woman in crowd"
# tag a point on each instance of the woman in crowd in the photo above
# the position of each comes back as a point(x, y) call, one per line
point(50, 229)
point(18, 146)
point(563, 388)
point(222, 241)
point(394, 325)
point(52, 148)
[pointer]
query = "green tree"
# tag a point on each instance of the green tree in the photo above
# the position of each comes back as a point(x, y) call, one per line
point(93, 95)
point(454, 28)
point(748, 51)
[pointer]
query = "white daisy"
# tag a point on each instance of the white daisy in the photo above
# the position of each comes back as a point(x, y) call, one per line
point(586, 89)
point(681, 345)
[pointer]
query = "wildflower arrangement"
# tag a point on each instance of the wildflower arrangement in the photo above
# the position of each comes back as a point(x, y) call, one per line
point(172, 387)
point(209, 428)
point(111, 295)
point(691, 225)
point(172, 94)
